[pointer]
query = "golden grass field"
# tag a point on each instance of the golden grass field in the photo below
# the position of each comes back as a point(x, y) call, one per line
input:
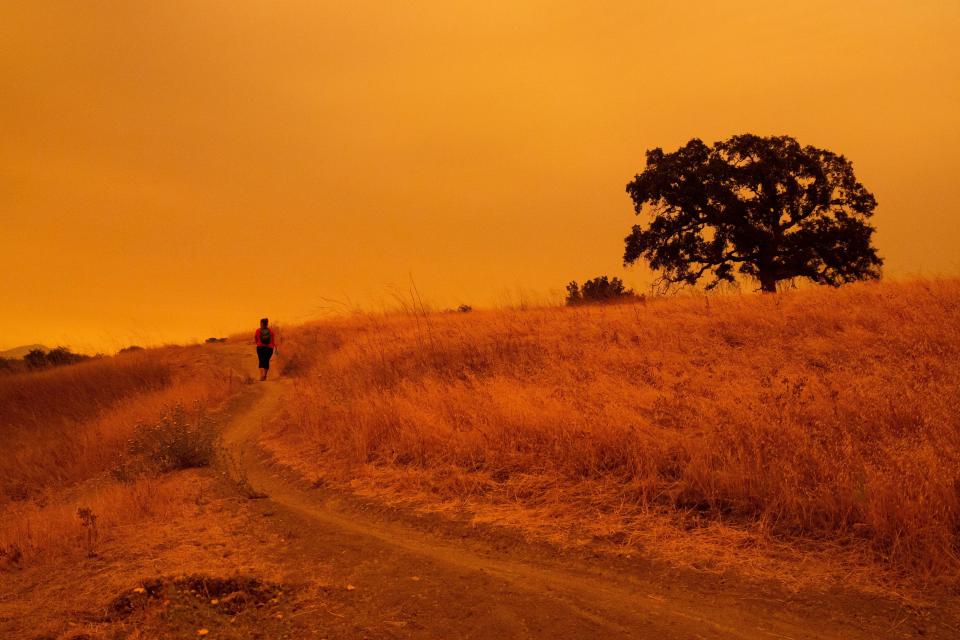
point(811, 438)
point(811, 424)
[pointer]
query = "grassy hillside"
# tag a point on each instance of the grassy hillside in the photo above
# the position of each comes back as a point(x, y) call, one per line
point(66, 424)
point(823, 419)
point(65, 431)
point(107, 485)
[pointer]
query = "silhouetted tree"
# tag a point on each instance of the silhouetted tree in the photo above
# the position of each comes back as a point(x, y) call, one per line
point(765, 208)
point(599, 289)
point(62, 355)
point(36, 359)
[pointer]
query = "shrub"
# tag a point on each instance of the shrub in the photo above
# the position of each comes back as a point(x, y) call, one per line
point(598, 290)
point(180, 440)
point(36, 359)
point(62, 356)
point(88, 520)
point(39, 359)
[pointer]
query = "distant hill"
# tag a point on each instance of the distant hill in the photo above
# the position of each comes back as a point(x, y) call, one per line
point(18, 352)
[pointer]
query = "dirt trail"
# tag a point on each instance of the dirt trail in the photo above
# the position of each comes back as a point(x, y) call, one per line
point(411, 582)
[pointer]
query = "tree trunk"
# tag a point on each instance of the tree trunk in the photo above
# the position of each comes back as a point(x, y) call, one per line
point(768, 284)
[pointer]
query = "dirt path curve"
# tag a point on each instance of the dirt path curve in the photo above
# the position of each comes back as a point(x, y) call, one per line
point(412, 583)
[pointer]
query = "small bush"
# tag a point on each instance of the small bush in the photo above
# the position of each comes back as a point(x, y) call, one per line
point(599, 290)
point(464, 308)
point(62, 356)
point(178, 441)
point(40, 359)
point(88, 520)
point(36, 359)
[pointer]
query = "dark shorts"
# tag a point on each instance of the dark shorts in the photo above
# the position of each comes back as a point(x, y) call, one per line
point(264, 354)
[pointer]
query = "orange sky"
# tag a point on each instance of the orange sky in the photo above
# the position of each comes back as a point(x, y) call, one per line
point(174, 170)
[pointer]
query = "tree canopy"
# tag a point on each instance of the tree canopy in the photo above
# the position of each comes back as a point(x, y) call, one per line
point(761, 207)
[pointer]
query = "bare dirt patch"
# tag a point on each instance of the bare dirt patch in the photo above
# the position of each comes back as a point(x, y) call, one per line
point(242, 606)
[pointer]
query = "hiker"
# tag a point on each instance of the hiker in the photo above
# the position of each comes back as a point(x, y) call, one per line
point(266, 343)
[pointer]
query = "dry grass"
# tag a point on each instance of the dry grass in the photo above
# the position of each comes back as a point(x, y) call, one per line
point(823, 417)
point(33, 527)
point(171, 525)
point(65, 425)
point(69, 394)
point(67, 431)
point(73, 537)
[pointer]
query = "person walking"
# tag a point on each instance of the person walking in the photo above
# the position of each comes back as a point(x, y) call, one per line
point(266, 343)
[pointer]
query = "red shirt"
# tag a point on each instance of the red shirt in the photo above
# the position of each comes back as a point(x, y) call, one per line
point(272, 344)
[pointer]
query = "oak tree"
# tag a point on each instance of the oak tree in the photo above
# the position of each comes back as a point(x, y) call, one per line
point(762, 207)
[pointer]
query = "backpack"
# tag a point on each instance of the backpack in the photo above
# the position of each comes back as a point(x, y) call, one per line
point(265, 336)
